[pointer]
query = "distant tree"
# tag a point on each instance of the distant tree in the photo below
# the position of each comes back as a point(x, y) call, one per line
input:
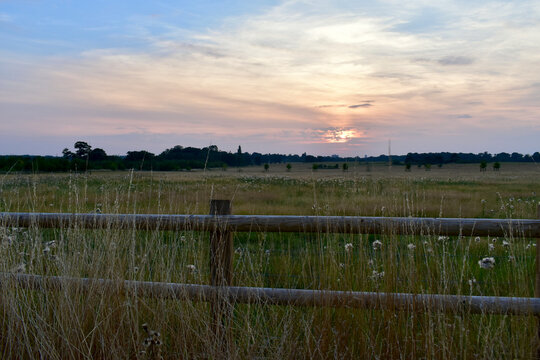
point(345, 166)
point(266, 167)
point(224, 167)
point(483, 165)
point(139, 155)
point(257, 158)
point(315, 167)
point(496, 166)
point(289, 167)
point(83, 149)
point(66, 154)
point(427, 167)
point(97, 154)
point(408, 166)
point(516, 157)
point(239, 152)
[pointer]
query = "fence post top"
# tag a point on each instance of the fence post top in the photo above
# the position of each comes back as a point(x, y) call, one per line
point(220, 207)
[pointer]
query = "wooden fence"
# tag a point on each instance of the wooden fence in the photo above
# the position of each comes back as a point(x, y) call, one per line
point(222, 295)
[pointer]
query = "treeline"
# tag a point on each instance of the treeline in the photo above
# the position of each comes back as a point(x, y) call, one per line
point(84, 157)
point(467, 158)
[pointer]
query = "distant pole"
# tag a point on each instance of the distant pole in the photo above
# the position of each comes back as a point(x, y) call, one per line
point(221, 270)
point(389, 154)
point(537, 285)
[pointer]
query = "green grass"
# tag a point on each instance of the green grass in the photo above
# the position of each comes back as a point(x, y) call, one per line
point(70, 324)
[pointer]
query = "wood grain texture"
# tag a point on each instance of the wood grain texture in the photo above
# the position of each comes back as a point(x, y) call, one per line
point(276, 223)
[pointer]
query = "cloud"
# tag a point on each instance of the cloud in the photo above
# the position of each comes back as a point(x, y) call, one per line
point(265, 73)
point(456, 60)
point(464, 116)
point(360, 105)
point(366, 103)
point(5, 18)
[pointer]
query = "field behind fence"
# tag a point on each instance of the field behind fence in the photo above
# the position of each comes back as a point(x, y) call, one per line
point(105, 318)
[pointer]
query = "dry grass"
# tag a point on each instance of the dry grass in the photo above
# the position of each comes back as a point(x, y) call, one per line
point(73, 324)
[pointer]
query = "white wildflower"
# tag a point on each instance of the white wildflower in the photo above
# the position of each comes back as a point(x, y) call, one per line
point(505, 244)
point(491, 247)
point(511, 258)
point(51, 244)
point(443, 238)
point(47, 250)
point(348, 247)
point(472, 282)
point(477, 239)
point(192, 268)
point(487, 263)
point(377, 244)
point(182, 238)
point(376, 275)
point(267, 252)
point(411, 246)
point(494, 240)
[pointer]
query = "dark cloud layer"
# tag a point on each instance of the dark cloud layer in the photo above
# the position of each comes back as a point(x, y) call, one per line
point(365, 103)
point(360, 105)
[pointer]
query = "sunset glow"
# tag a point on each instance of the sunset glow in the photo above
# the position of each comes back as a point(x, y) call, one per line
point(340, 135)
point(291, 76)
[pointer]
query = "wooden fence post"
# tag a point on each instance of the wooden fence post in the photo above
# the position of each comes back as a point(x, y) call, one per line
point(221, 270)
point(537, 284)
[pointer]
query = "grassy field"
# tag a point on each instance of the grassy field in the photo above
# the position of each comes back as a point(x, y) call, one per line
point(70, 324)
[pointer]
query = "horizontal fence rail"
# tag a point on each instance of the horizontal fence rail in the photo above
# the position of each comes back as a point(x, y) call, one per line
point(276, 296)
point(275, 223)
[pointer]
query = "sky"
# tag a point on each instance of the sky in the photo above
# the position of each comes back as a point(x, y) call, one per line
point(322, 77)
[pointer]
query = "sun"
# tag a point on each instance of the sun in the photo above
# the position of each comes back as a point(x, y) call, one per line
point(340, 135)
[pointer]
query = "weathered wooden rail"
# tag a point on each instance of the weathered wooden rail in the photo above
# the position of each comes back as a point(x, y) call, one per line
point(221, 294)
point(276, 296)
point(274, 223)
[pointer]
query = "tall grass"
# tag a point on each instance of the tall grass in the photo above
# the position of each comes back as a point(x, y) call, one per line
point(106, 324)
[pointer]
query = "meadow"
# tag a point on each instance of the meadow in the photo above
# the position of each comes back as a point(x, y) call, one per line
point(70, 324)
